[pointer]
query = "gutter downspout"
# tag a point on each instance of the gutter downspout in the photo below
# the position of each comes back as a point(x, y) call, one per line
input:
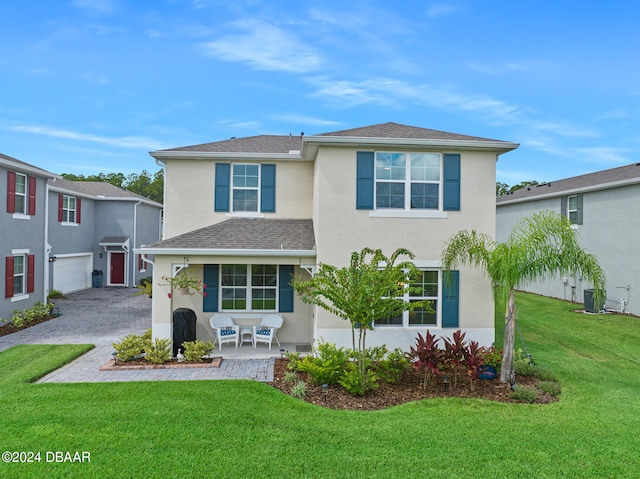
point(47, 247)
point(163, 165)
point(135, 234)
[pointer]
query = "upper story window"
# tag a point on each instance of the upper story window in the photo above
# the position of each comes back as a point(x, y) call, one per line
point(246, 287)
point(423, 184)
point(245, 188)
point(246, 184)
point(69, 209)
point(571, 207)
point(21, 194)
point(408, 180)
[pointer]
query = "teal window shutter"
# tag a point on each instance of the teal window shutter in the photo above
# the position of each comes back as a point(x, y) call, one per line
point(268, 188)
point(365, 165)
point(285, 293)
point(210, 278)
point(450, 299)
point(451, 186)
point(222, 187)
point(579, 212)
point(563, 206)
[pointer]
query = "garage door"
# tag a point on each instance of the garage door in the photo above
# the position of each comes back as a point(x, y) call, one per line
point(72, 273)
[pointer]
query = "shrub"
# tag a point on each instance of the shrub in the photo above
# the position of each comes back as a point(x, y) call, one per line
point(550, 387)
point(55, 294)
point(327, 363)
point(146, 340)
point(129, 347)
point(160, 351)
point(426, 357)
point(393, 366)
point(17, 319)
point(492, 357)
point(294, 360)
point(194, 350)
point(290, 377)
point(524, 394)
point(357, 383)
point(299, 389)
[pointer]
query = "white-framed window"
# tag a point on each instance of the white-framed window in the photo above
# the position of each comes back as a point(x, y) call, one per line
point(408, 181)
point(246, 287)
point(429, 283)
point(69, 209)
point(572, 208)
point(19, 274)
point(21, 194)
point(245, 187)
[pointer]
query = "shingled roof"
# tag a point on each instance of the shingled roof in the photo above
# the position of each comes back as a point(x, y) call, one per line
point(600, 179)
point(396, 130)
point(247, 234)
point(97, 190)
point(252, 144)
point(6, 159)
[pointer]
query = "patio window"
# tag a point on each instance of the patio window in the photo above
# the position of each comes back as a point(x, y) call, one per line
point(246, 287)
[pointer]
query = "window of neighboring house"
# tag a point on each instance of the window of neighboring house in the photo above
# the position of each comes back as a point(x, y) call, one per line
point(572, 208)
point(69, 209)
point(19, 277)
point(21, 194)
point(245, 189)
point(428, 284)
point(246, 287)
point(408, 181)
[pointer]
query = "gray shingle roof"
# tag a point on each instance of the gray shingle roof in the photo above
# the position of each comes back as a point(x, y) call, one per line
point(613, 177)
point(97, 189)
point(28, 166)
point(396, 130)
point(251, 144)
point(249, 234)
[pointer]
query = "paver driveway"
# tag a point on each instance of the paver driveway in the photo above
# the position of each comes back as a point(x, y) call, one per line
point(101, 316)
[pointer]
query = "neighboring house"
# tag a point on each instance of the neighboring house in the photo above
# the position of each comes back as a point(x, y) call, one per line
point(248, 214)
point(96, 226)
point(54, 233)
point(24, 260)
point(602, 206)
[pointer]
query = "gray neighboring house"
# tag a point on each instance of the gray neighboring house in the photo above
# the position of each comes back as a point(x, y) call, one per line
point(55, 233)
point(603, 207)
point(96, 226)
point(22, 234)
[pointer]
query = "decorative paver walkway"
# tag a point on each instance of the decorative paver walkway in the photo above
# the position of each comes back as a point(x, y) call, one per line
point(101, 316)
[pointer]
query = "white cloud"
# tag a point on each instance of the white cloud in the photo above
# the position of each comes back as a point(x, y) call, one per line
point(123, 142)
point(305, 120)
point(265, 47)
point(604, 154)
point(440, 9)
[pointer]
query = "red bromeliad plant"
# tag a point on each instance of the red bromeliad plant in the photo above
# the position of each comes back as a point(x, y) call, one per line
point(473, 357)
point(426, 357)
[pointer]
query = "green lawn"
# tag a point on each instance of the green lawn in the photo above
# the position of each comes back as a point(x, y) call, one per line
point(247, 429)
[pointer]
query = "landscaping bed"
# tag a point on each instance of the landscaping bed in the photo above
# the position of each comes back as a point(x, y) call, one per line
point(407, 389)
point(137, 364)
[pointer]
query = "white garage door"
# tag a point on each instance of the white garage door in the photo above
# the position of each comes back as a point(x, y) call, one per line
point(72, 273)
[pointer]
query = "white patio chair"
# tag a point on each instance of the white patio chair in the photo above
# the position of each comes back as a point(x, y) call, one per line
point(226, 330)
point(266, 331)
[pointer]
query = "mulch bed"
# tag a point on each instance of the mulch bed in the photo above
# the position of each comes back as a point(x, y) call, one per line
point(10, 328)
point(406, 390)
point(138, 364)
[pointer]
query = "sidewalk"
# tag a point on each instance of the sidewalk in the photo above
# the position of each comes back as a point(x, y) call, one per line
point(101, 316)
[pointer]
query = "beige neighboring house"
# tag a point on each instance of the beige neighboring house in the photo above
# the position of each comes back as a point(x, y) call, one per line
point(248, 214)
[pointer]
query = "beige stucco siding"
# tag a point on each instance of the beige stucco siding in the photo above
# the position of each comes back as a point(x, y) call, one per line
point(342, 229)
point(190, 193)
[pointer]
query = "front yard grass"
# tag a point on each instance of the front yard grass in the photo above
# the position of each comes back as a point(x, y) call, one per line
point(248, 429)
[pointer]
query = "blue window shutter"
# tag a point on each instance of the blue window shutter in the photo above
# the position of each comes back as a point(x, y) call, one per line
point(450, 299)
point(579, 212)
point(451, 187)
point(268, 188)
point(563, 206)
point(222, 187)
point(365, 165)
point(210, 278)
point(285, 293)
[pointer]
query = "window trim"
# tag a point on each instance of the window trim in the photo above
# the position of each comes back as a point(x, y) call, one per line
point(24, 195)
point(65, 211)
point(249, 289)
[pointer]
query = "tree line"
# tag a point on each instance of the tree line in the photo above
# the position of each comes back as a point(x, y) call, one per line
point(503, 188)
point(144, 184)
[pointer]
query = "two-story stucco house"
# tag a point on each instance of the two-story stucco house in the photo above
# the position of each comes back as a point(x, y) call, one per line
point(602, 207)
point(248, 214)
point(54, 233)
point(23, 233)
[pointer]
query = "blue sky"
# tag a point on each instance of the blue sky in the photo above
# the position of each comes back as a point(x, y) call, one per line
point(91, 86)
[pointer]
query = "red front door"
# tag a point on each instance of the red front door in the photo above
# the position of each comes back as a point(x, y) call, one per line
point(116, 268)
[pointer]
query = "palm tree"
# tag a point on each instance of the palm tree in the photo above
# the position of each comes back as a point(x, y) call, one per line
point(538, 248)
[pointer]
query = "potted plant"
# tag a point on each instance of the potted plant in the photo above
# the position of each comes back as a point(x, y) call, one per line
point(491, 362)
point(185, 283)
